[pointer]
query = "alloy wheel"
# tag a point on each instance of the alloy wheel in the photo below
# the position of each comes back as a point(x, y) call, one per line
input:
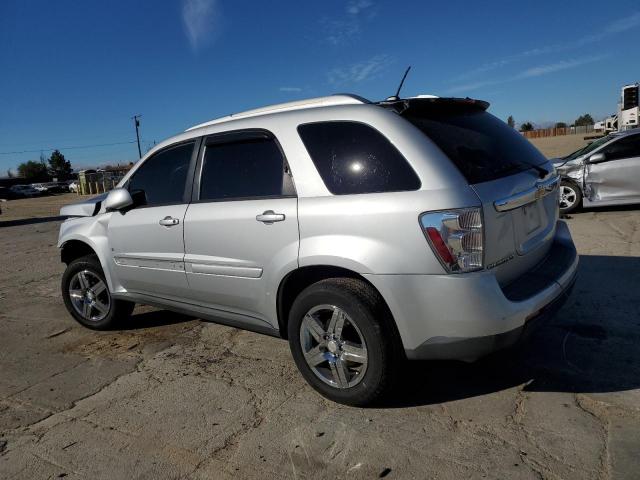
point(568, 197)
point(333, 346)
point(89, 296)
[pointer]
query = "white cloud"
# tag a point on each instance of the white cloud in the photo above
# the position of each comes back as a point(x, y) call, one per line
point(612, 28)
point(340, 30)
point(356, 7)
point(467, 87)
point(558, 66)
point(532, 72)
point(359, 72)
point(201, 20)
point(290, 89)
point(623, 24)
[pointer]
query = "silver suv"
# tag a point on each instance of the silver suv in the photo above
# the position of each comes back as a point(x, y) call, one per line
point(364, 233)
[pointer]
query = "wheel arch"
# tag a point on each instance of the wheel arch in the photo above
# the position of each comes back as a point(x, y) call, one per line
point(73, 249)
point(77, 246)
point(579, 186)
point(297, 280)
point(573, 181)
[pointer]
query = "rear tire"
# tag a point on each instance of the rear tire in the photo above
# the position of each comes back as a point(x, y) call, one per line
point(87, 297)
point(570, 196)
point(343, 341)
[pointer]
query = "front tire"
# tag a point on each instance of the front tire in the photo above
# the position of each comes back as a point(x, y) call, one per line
point(570, 196)
point(86, 295)
point(343, 341)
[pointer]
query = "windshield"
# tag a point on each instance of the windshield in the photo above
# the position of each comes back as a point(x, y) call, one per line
point(589, 148)
point(483, 147)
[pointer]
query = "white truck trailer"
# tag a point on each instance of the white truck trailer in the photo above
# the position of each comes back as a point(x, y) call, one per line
point(629, 107)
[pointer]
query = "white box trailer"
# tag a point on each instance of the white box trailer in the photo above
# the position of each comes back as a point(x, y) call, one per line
point(629, 107)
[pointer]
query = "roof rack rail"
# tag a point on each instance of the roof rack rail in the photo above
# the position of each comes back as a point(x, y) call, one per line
point(328, 101)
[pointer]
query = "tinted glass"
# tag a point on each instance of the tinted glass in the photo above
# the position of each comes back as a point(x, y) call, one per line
point(481, 146)
point(624, 148)
point(355, 158)
point(242, 169)
point(589, 148)
point(162, 177)
point(630, 98)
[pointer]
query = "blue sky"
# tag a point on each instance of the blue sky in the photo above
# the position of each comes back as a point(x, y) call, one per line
point(73, 73)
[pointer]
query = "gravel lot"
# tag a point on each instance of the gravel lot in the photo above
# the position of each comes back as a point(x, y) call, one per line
point(174, 397)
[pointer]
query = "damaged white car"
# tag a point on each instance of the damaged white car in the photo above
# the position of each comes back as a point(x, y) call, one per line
point(605, 172)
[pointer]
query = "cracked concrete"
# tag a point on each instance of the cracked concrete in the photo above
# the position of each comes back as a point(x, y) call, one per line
point(173, 397)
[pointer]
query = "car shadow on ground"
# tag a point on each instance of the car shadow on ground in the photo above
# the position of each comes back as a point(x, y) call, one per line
point(610, 208)
point(592, 345)
point(30, 221)
point(153, 319)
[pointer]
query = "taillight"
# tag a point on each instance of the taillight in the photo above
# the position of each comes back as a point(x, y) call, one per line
point(456, 237)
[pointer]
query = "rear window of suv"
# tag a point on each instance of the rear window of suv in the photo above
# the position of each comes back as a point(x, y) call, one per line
point(482, 147)
point(352, 158)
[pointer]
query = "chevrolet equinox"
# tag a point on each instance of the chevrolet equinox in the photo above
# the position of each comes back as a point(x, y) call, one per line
point(364, 233)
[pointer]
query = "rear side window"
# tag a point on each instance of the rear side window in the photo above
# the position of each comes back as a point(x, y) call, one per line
point(243, 169)
point(355, 158)
point(482, 147)
point(162, 178)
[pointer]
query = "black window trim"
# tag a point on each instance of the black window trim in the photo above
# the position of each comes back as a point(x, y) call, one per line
point(188, 187)
point(232, 136)
point(376, 130)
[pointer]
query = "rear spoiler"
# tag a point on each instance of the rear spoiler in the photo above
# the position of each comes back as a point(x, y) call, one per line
point(409, 106)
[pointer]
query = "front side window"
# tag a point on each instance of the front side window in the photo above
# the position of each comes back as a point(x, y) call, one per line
point(161, 179)
point(352, 158)
point(244, 169)
point(589, 148)
point(626, 147)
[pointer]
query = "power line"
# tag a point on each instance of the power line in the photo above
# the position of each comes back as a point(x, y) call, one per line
point(68, 148)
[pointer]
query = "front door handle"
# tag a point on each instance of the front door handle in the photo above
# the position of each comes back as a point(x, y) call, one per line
point(169, 221)
point(269, 217)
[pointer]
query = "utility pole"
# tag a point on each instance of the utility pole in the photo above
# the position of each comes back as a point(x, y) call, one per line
point(136, 122)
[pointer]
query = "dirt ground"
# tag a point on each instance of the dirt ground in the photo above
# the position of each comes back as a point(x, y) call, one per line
point(553, 147)
point(174, 397)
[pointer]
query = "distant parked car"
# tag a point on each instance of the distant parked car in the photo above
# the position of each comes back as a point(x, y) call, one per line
point(24, 191)
point(57, 187)
point(40, 187)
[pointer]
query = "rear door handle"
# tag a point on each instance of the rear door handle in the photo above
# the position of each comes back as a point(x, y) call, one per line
point(269, 217)
point(169, 221)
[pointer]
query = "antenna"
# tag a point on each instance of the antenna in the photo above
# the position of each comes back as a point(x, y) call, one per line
point(396, 97)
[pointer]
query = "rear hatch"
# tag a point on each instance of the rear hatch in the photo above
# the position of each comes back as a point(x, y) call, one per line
point(514, 181)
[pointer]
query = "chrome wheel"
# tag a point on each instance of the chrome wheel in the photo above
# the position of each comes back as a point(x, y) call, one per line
point(568, 197)
point(333, 346)
point(89, 296)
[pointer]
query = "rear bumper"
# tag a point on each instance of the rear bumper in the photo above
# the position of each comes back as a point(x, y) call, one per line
point(467, 316)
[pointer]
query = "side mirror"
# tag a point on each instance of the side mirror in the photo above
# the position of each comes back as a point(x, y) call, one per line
point(118, 199)
point(596, 158)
